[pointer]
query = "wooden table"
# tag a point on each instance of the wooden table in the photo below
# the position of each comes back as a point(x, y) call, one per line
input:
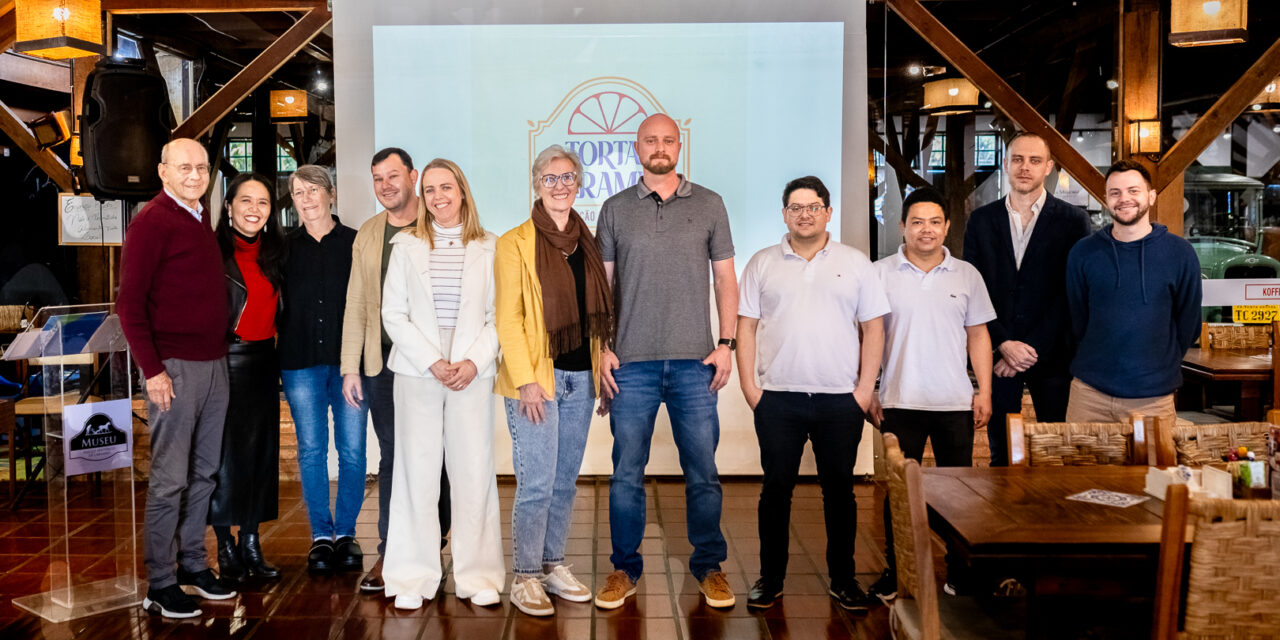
point(1250, 367)
point(1017, 521)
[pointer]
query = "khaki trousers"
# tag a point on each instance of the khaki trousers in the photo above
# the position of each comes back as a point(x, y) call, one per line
point(1087, 404)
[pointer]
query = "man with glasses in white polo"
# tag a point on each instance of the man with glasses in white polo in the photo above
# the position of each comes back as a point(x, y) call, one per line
point(801, 305)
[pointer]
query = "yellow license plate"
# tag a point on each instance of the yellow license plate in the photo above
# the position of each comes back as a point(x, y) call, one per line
point(1255, 313)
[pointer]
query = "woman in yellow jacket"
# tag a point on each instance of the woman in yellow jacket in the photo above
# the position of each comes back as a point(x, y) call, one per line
point(554, 312)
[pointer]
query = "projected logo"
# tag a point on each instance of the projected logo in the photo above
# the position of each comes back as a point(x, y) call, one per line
point(598, 120)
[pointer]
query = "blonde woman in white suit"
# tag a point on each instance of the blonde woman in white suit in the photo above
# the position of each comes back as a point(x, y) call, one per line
point(438, 309)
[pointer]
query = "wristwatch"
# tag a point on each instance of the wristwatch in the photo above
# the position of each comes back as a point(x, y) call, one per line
point(732, 343)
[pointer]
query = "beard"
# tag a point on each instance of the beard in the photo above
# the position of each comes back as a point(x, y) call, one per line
point(658, 164)
point(1129, 222)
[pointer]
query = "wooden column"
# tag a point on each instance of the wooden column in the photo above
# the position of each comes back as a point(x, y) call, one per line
point(956, 184)
point(1139, 99)
point(264, 136)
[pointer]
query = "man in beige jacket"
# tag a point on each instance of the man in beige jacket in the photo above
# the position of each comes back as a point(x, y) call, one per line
point(364, 340)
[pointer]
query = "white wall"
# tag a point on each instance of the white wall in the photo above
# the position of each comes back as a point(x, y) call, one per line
point(354, 107)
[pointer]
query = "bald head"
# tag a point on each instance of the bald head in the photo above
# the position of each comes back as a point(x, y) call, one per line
point(184, 170)
point(658, 144)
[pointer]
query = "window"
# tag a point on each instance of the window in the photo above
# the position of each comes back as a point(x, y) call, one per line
point(285, 162)
point(985, 154)
point(938, 152)
point(240, 153)
point(126, 48)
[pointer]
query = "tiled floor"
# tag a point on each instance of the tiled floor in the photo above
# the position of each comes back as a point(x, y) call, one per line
point(300, 607)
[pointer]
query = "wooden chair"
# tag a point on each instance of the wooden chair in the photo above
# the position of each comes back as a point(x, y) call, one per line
point(1077, 443)
point(1253, 336)
point(917, 612)
point(1233, 336)
point(1233, 590)
point(1197, 444)
point(9, 429)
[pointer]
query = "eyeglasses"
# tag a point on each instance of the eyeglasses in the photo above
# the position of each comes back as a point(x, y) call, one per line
point(184, 169)
point(567, 179)
point(310, 189)
point(811, 209)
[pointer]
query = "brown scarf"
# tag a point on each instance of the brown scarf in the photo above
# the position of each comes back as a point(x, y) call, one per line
point(559, 294)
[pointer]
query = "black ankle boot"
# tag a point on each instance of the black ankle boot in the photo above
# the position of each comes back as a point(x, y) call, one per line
point(251, 553)
point(230, 567)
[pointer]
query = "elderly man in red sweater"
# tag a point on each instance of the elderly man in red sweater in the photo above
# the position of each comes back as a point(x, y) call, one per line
point(173, 309)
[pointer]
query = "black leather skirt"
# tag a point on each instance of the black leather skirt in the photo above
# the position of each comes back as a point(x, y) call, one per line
point(248, 478)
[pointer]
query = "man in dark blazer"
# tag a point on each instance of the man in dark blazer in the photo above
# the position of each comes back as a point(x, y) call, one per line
point(1020, 244)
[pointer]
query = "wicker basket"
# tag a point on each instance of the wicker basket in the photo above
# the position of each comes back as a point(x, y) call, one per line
point(13, 317)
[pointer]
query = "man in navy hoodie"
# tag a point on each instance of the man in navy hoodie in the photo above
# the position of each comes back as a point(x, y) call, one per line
point(1134, 295)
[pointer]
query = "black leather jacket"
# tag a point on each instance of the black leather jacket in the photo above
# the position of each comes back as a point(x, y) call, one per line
point(238, 297)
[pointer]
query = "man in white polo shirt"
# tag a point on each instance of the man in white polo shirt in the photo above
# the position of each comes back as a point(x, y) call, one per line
point(938, 314)
point(800, 306)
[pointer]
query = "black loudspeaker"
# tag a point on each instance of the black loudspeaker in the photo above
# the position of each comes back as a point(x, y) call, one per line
point(125, 122)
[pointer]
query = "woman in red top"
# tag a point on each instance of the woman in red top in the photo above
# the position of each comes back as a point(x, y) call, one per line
point(248, 478)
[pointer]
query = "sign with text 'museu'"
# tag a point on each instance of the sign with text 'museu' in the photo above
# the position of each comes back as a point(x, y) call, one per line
point(97, 436)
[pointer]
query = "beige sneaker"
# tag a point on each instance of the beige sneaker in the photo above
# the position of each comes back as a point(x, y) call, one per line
point(561, 582)
point(617, 587)
point(715, 588)
point(528, 596)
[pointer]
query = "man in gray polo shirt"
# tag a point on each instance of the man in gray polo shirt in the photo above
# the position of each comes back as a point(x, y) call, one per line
point(663, 240)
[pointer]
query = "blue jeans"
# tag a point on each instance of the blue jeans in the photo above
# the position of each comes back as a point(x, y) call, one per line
point(311, 393)
point(685, 386)
point(547, 458)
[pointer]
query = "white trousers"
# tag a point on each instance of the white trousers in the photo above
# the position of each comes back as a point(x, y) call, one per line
point(431, 420)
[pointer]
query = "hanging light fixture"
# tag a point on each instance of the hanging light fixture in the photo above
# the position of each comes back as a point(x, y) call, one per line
point(288, 105)
point(950, 96)
point(58, 29)
point(1196, 23)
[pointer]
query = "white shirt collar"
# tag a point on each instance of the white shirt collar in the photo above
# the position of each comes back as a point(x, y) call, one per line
point(195, 212)
point(1035, 206)
point(788, 251)
point(948, 262)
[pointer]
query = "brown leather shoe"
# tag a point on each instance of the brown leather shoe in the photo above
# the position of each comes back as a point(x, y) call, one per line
point(373, 580)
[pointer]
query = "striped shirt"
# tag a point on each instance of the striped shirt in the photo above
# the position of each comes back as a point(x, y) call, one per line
point(446, 274)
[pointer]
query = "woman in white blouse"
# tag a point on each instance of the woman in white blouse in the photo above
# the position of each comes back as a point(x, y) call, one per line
point(438, 309)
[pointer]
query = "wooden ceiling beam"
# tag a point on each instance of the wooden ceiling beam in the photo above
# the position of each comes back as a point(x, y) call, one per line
point(1210, 125)
point(254, 74)
point(8, 30)
point(49, 75)
point(209, 6)
point(46, 159)
point(1001, 94)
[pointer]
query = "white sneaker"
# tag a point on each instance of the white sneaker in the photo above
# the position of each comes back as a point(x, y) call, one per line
point(528, 596)
point(562, 583)
point(486, 598)
point(408, 601)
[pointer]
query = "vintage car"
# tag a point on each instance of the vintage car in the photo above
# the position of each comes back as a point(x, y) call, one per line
point(1223, 221)
point(1232, 258)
